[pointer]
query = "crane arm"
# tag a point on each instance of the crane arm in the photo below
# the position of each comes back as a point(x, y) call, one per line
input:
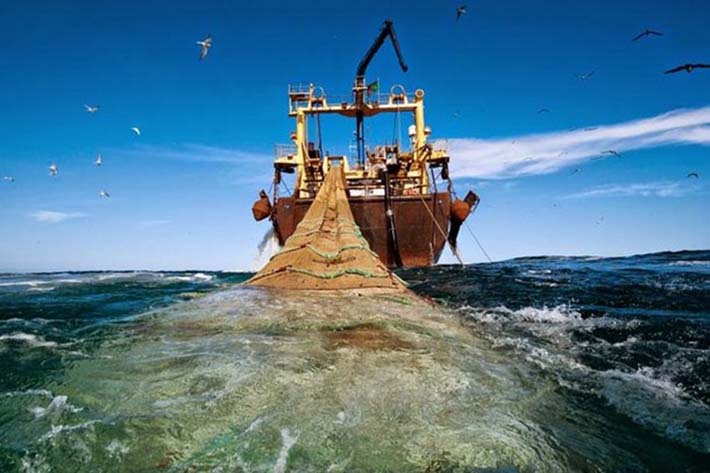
point(387, 30)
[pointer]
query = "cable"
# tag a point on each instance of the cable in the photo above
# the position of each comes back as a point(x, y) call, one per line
point(483, 250)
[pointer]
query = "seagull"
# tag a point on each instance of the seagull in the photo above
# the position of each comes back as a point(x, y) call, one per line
point(543, 110)
point(585, 76)
point(136, 130)
point(98, 161)
point(53, 169)
point(612, 152)
point(206, 44)
point(576, 171)
point(687, 68)
point(461, 10)
point(104, 194)
point(694, 175)
point(8, 179)
point(647, 33)
point(456, 115)
point(92, 108)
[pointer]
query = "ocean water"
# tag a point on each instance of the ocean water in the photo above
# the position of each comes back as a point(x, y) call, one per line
point(534, 364)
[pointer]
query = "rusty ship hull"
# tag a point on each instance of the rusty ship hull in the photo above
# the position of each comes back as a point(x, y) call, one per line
point(420, 241)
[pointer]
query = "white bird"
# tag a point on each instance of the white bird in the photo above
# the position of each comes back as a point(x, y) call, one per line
point(8, 178)
point(136, 130)
point(103, 193)
point(98, 161)
point(585, 76)
point(53, 169)
point(92, 108)
point(205, 44)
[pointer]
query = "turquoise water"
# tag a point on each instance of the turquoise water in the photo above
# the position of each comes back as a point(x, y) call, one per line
point(539, 364)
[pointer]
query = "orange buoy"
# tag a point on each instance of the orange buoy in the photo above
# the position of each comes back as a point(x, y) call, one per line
point(460, 210)
point(262, 207)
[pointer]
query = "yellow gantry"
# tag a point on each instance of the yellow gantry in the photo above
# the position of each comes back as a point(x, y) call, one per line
point(311, 100)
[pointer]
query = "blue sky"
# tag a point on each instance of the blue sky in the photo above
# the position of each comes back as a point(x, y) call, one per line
point(181, 192)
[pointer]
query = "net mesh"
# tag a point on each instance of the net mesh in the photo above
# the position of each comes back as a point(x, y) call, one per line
point(327, 250)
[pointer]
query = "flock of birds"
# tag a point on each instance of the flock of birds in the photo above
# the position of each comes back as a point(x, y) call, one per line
point(689, 67)
point(205, 46)
point(461, 10)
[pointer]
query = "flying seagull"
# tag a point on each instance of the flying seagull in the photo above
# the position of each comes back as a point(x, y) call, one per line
point(647, 33)
point(104, 194)
point(205, 44)
point(98, 161)
point(585, 76)
point(92, 108)
point(687, 68)
point(461, 10)
point(8, 178)
point(136, 130)
point(612, 152)
point(694, 175)
point(543, 110)
point(576, 171)
point(53, 169)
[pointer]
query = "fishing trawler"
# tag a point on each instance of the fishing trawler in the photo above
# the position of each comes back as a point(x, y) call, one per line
point(393, 189)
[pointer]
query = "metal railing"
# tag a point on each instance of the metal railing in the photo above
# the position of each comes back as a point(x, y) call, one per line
point(281, 150)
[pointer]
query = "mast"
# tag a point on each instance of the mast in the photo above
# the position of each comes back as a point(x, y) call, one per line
point(360, 86)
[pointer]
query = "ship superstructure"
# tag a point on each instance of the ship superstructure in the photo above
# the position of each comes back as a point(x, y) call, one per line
point(392, 188)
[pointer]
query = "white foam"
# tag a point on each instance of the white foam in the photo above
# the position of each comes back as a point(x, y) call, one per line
point(116, 449)
point(254, 425)
point(61, 429)
point(30, 339)
point(560, 314)
point(690, 263)
point(197, 277)
point(22, 283)
point(267, 248)
point(30, 392)
point(58, 404)
point(289, 441)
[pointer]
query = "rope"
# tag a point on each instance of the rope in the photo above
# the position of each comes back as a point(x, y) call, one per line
point(441, 230)
point(483, 250)
point(478, 242)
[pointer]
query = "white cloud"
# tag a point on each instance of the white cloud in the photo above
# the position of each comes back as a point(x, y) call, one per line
point(152, 223)
point(50, 216)
point(642, 189)
point(549, 152)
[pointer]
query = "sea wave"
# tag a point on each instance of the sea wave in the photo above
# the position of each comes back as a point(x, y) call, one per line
point(31, 339)
point(561, 314)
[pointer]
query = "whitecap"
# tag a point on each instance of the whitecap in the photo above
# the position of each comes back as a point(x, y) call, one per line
point(690, 263)
point(23, 283)
point(30, 339)
point(560, 314)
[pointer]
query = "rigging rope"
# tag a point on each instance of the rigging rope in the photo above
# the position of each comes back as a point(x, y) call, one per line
point(478, 242)
point(453, 249)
